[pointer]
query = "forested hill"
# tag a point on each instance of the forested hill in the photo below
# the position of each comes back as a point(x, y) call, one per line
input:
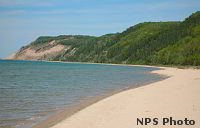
point(168, 43)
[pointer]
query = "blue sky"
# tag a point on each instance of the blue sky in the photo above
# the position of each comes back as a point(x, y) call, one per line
point(22, 21)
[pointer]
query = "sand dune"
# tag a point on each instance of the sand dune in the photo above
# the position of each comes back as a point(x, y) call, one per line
point(31, 54)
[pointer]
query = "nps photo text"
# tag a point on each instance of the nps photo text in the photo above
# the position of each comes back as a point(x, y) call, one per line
point(164, 121)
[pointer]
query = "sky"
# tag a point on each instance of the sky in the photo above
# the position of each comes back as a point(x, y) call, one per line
point(23, 21)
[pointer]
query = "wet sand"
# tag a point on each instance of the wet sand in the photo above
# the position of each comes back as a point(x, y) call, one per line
point(73, 109)
point(177, 97)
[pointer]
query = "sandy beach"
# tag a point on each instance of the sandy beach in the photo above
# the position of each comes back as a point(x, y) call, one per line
point(177, 97)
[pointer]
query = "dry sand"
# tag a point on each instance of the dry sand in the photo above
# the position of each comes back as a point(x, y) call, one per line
point(177, 96)
point(32, 53)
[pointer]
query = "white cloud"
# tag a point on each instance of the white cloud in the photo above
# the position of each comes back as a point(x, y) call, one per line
point(12, 12)
point(52, 11)
point(162, 5)
point(17, 3)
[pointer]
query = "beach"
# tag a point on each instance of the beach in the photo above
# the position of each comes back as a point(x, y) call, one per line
point(177, 97)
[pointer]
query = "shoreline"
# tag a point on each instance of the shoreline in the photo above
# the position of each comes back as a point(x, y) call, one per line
point(177, 96)
point(137, 65)
point(71, 110)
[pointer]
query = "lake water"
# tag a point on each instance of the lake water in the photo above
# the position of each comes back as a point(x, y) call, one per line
point(31, 91)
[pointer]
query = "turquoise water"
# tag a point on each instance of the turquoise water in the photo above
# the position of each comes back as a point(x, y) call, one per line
point(31, 91)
